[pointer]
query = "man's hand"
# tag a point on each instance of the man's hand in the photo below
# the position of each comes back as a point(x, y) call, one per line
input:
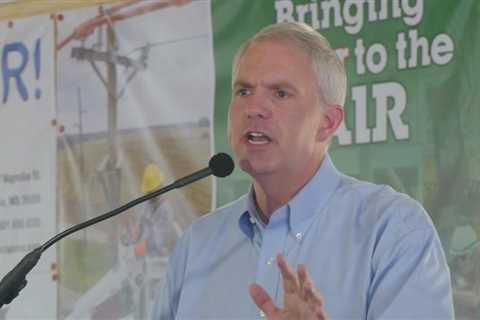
point(301, 299)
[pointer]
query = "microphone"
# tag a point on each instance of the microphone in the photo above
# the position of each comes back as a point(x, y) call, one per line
point(220, 165)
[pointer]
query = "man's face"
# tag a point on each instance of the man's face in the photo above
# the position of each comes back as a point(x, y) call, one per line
point(275, 115)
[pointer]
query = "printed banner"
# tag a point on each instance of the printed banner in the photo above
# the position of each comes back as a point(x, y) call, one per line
point(135, 104)
point(27, 161)
point(411, 112)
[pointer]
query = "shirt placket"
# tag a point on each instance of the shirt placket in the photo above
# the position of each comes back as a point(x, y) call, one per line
point(273, 242)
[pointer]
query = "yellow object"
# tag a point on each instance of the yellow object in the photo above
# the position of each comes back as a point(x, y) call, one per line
point(152, 178)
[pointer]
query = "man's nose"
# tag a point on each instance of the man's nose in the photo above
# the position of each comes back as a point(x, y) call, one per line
point(258, 106)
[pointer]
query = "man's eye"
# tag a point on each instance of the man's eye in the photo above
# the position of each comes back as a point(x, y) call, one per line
point(243, 92)
point(281, 93)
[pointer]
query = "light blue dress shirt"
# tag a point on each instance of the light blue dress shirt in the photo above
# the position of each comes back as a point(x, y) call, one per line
point(373, 253)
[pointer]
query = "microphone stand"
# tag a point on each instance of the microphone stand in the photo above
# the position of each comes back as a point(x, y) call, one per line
point(15, 281)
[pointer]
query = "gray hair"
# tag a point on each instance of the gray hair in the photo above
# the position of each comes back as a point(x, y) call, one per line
point(328, 68)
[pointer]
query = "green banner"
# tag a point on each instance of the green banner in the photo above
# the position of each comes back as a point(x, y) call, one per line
point(412, 106)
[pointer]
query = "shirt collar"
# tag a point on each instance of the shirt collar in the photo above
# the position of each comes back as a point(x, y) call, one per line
point(301, 209)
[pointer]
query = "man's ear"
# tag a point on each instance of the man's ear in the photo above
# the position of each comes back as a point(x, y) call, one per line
point(332, 118)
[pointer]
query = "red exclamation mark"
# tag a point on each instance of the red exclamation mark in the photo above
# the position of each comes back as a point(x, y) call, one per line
point(36, 62)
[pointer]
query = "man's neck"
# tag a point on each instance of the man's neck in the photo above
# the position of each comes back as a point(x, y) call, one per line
point(275, 190)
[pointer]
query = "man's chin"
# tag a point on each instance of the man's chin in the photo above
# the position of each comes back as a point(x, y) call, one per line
point(255, 168)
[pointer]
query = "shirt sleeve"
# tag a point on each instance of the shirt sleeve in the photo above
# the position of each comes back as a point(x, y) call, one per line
point(410, 275)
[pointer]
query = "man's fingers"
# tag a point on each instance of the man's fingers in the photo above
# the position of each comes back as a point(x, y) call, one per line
point(263, 300)
point(307, 286)
point(290, 281)
point(302, 279)
point(312, 295)
point(313, 298)
point(315, 302)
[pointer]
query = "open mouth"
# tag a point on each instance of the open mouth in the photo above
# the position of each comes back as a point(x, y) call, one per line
point(257, 137)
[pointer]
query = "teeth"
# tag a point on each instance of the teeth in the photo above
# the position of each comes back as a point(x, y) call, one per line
point(256, 137)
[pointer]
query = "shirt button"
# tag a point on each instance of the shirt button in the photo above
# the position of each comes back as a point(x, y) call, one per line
point(270, 261)
point(299, 236)
point(262, 314)
point(252, 220)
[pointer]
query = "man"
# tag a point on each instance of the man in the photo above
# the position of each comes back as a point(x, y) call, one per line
point(306, 242)
point(146, 239)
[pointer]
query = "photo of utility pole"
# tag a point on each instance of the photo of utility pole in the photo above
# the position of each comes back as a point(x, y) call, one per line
point(135, 100)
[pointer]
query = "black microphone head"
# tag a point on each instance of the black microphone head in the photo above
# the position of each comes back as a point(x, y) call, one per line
point(221, 165)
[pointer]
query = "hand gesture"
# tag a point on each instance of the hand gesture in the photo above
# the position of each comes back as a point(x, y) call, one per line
point(301, 299)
